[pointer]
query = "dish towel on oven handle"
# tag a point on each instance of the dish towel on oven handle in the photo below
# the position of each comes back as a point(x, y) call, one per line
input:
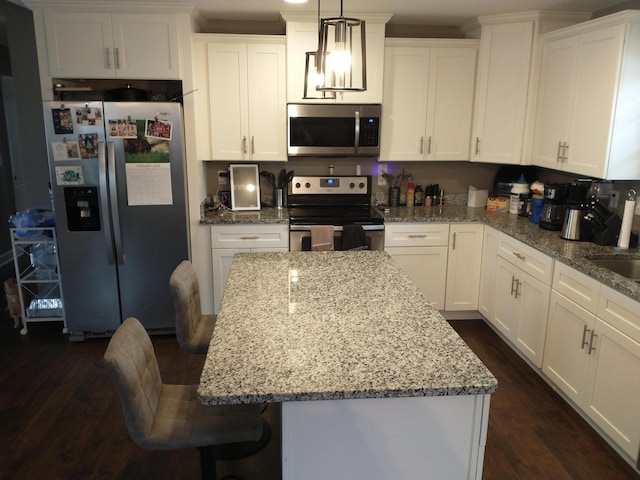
point(354, 238)
point(321, 238)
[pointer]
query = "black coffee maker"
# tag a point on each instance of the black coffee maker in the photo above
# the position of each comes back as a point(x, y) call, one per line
point(555, 195)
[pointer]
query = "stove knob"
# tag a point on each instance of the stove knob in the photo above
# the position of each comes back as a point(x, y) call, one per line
point(352, 185)
point(297, 184)
point(308, 185)
point(361, 184)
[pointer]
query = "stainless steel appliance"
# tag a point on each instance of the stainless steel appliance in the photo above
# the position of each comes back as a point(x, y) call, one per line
point(572, 223)
point(333, 130)
point(555, 195)
point(118, 181)
point(336, 201)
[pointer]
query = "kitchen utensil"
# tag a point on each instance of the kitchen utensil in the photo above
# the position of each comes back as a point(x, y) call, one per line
point(572, 223)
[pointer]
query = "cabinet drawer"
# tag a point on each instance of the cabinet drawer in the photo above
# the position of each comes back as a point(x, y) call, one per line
point(620, 311)
point(576, 286)
point(416, 234)
point(531, 261)
point(250, 236)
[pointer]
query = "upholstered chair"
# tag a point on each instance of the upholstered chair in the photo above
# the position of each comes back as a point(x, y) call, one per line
point(165, 417)
point(193, 329)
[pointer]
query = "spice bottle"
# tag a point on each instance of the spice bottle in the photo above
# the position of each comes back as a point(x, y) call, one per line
point(419, 196)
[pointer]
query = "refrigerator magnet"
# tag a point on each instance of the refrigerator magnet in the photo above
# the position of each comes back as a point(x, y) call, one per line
point(65, 150)
point(123, 128)
point(88, 145)
point(68, 175)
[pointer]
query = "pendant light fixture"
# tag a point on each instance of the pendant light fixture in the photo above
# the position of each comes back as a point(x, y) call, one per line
point(341, 57)
point(312, 78)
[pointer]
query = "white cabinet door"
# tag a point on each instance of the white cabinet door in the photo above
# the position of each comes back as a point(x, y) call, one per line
point(427, 267)
point(614, 387)
point(406, 78)
point(533, 303)
point(505, 317)
point(102, 45)
point(487, 293)
point(428, 100)
point(80, 45)
point(504, 65)
point(247, 106)
point(558, 65)
point(463, 266)
point(221, 261)
point(146, 46)
point(569, 332)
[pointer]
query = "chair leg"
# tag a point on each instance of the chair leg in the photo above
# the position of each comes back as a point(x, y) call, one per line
point(207, 463)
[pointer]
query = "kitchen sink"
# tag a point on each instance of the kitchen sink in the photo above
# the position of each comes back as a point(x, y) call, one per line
point(627, 267)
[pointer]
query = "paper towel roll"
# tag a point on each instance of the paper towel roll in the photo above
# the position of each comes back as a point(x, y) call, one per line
point(627, 220)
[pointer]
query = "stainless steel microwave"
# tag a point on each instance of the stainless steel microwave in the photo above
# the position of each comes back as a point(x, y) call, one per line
point(333, 130)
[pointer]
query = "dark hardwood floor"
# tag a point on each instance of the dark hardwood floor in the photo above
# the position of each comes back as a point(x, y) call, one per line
point(60, 417)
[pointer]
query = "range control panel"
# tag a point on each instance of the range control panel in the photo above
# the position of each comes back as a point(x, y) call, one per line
point(325, 185)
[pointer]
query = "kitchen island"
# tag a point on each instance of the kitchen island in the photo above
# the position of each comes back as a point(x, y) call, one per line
point(373, 381)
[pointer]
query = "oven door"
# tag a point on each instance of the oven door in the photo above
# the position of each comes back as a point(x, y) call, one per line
point(300, 237)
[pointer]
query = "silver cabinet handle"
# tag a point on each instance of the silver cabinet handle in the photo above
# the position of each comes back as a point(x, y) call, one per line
point(558, 155)
point(518, 285)
point(249, 237)
point(421, 145)
point(108, 57)
point(584, 337)
point(253, 145)
point(592, 347)
point(520, 256)
point(244, 144)
point(411, 235)
point(117, 57)
point(514, 282)
point(429, 146)
point(453, 241)
point(565, 147)
point(477, 145)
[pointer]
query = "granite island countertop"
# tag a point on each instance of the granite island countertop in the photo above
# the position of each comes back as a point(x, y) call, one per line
point(575, 254)
point(288, 331)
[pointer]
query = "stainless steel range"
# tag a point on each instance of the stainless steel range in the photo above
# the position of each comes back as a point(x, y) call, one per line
point(336, 201)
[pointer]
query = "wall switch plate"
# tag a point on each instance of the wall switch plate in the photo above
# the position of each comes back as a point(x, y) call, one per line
point(613, 200)
point(223, 177)
point(382, 168)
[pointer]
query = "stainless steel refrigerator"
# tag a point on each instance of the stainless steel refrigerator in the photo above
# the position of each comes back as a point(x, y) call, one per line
point(119, 193)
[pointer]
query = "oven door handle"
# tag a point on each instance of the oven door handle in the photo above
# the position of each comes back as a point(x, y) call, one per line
point(336, 228)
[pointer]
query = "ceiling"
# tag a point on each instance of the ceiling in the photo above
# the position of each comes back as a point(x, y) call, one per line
point(410, 12)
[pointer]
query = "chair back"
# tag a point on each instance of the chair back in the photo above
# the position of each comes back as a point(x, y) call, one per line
point(186, 299)
point(133, 367)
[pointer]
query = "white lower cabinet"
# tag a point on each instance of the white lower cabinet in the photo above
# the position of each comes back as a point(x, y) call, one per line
point(486, 293)
point(421, 251)
point(227, 240)
point(592, 354)
point(463, 266)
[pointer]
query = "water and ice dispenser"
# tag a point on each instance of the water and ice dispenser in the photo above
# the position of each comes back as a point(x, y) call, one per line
point(82, 206)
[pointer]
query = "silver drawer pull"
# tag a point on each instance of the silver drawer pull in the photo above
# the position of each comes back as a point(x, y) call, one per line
point(416, 236)
point(520, 256)
point(249, 237)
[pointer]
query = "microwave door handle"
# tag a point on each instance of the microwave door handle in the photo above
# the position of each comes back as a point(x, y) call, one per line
point(104, 202)
point(357, 142)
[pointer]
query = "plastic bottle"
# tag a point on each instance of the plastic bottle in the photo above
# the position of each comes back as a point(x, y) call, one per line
point(419, 196)
point(410, 194)
point(518, 197)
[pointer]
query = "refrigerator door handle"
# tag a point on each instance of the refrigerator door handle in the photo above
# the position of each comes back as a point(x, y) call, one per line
point(113, 198)
point(104, 202)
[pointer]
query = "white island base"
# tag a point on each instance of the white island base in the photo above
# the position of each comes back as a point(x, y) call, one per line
point(408, 438)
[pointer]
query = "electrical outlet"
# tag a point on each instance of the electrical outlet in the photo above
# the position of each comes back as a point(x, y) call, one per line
point(382, 168)
point(613, 200)
point(223, 177)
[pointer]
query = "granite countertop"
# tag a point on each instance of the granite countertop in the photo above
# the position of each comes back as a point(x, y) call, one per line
point(304, 336)
point(574, 254)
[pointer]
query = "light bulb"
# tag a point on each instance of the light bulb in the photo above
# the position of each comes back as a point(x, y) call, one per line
point(339, 60)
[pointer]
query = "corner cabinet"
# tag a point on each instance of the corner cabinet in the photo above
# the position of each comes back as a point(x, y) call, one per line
point(588, 100)
point(302, 37)
point(420, 249)
point(105, 45)
point(227, 240)
point(428, 99)
point(592, 354)
point(247, 103)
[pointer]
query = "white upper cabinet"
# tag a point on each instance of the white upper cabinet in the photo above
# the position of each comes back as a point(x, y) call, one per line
point(302, 37)
point(105, 45)
point(428, 99)
point(247, 106)
point(588, 113)
point(501, 92)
